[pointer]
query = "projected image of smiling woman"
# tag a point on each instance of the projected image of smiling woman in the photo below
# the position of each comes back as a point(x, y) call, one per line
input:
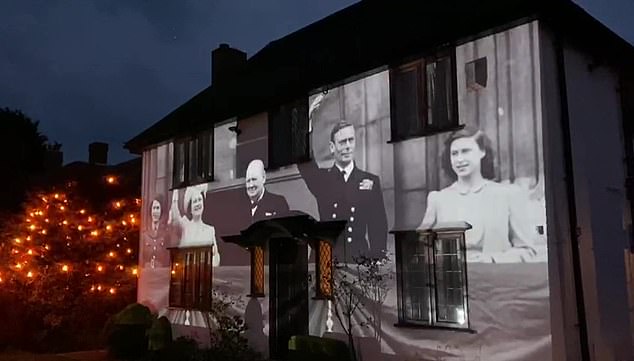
point(194, 232)
point(495, 211)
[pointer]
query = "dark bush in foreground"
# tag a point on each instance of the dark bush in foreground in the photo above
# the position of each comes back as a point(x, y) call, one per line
point(126, 332)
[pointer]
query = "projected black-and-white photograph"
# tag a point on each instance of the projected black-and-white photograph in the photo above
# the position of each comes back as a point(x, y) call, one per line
point(188, 220)
point(260, 203)
point(465, 169)
point(155, 235)
point(345, 191)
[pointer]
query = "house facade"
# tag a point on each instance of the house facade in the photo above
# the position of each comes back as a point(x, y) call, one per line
point(479, 170)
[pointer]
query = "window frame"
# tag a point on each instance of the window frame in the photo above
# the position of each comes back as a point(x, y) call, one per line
point(424, 128)
point(198, 170)
point(199, 276)
point(427, 240)
point(300, 104)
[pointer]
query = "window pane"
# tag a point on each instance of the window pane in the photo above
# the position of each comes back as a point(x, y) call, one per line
point(204, 267)
point(176, 279)
point(449, 271)
point(299, 131)
point(406, 102)
point(193, 160)
point(416, 292)
point(189, 280)
point(205, 156)
point(179, 163)
point(439, 93)
point(224, 151)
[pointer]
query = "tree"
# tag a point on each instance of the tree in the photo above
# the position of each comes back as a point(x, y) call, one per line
point(364, 286)
point(22, 156)
point(68, 264)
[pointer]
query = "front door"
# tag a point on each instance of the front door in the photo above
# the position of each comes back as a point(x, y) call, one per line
point(288, 299)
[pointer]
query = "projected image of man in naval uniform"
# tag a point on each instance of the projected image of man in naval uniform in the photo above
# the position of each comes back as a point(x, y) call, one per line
point(345, 192)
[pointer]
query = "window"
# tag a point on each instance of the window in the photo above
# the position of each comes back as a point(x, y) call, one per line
point(190, 282)
point(432, 278)
point(193, 160)
point(288, 134)
point(423, 96)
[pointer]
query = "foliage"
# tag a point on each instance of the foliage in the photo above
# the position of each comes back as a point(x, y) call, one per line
point(364, 285)
point(314, 348)
point(226, 331)
point(66, 265)
point(159, 334)
point(22, 154)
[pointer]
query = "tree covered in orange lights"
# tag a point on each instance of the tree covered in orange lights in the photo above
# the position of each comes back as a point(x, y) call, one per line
point(68, 262)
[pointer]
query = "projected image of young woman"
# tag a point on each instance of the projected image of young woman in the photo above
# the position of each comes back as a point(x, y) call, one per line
point(495, 211)
point(155, 235)
point(193, 231)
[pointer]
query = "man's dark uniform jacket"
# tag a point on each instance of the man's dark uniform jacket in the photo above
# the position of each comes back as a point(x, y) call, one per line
point(359, 201)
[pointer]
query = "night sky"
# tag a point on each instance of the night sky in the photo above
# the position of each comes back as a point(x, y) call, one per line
point(104, 70)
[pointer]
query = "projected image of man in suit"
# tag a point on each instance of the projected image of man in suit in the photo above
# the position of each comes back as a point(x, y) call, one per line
point(262, 204)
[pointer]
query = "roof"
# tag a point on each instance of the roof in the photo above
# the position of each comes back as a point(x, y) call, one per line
point(366, 37)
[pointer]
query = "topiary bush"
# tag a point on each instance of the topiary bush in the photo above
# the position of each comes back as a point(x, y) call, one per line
point(126, 332)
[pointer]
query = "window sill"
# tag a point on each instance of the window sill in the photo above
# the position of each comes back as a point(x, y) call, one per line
point(405, 324)
point(426, 133)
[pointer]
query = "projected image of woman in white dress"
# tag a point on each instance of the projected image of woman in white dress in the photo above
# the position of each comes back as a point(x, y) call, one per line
point(194, 232)
point(496, 212)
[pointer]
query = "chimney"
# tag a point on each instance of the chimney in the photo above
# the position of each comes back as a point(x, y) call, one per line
point(98, 153)
point(226, 62)
point(54, 157)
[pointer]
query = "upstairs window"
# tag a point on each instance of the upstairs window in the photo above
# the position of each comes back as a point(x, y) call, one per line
point(423, 96)
point(432, 278)
point(193, 160)
point(288, 134)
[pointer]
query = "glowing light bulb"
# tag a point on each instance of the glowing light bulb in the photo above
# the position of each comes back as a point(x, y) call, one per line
point(89, 219)
point(108, 228)
point(100, 268)
point(124, 223)
point(129, 250)
point(117, 204)
point(112, 291)
point(111, 180)
point(29, 274)
point(92, 288)
point(17, 240)
point(43, 231)
point(28, 238)
point(82, 211)
point(32, 227)
point(99, 288)
point(62, 208)
point(111, 254)
point(173, 272)
point(65, 222)
point(18, 266)
point(79, 228)
point(30, 252)
point(120, 268)
point(56, 196)
point(65, 268)
point(94, 233)
point(135, 271)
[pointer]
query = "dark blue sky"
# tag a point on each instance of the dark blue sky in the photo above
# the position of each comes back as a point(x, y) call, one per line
point(104, 70)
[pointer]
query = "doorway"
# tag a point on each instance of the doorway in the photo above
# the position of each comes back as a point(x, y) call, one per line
point(288, 299)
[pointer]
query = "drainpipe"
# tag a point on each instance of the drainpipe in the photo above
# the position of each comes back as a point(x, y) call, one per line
point(570, 193)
